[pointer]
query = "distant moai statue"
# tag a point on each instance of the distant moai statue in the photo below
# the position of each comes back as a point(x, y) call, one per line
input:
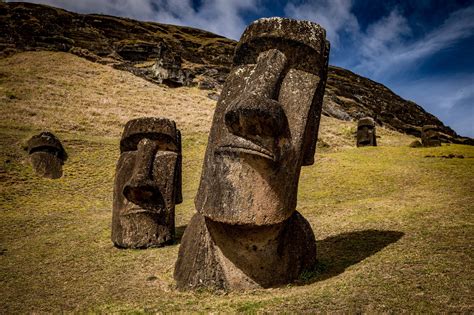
point(147, 184)
point(247, 233)
point(47, 155)
point(430, 136)
point(366, 132)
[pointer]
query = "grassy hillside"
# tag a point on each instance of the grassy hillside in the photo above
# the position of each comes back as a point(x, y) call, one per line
point(394, 228)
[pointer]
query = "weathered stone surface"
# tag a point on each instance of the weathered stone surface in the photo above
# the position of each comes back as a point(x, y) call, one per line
point(147, 184)
point(430, 136)
point(366, 132)
point(47, 155)
point(230, 257)
point(264, 129)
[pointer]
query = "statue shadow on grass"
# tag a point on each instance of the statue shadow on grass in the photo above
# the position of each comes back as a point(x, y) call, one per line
point(336, 253)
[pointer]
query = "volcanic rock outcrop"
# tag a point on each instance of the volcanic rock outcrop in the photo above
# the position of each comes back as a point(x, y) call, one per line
point(247, 233)
point(147, 184)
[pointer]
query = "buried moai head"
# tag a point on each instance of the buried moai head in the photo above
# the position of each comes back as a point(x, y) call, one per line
point(266, 123)
point(147, 183)
point(366, 132)
point(430, 136)
point(47, 155)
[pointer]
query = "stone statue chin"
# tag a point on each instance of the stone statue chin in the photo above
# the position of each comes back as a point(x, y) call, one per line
point(247, 232)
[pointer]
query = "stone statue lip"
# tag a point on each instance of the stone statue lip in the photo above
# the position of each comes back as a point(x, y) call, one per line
point(241, 145)
point(137, 209)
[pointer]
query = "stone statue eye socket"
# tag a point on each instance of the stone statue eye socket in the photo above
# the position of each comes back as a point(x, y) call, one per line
point(165, 142)
point(46, 149)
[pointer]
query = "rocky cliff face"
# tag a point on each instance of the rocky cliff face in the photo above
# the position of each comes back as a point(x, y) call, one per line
point(184, 56)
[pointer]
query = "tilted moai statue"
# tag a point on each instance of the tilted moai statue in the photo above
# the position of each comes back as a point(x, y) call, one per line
point(147, 184)
point(366, 132)
point(430, 136)
point(47, 155)
point(247, 233)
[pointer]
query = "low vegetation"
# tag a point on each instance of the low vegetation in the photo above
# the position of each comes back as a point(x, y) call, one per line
point(393, 224)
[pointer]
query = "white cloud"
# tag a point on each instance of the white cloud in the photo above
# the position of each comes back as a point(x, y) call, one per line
point(334, 15)
point(223, 17)
point(384, 51)
point(380, 39)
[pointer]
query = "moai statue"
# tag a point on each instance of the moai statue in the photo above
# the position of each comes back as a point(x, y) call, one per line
point(246, 232)
point(147, 184)
point(366, 132)
point(430, 136)
point(47, 155)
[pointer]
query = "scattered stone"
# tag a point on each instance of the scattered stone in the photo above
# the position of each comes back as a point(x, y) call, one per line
point(430, 136)
point(47, 155)
point(366, 132)
point(247, 233)
point(84, 53)
point(213, 96)
point(415, 144)
point(449, 156)
point(147, 184)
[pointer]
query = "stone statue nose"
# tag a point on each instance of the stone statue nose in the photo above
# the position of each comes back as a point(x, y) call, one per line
point(142, 189)
point(256, 116)
point(255, 111)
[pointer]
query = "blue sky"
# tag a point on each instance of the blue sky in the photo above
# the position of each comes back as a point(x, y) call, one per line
point(423, 50)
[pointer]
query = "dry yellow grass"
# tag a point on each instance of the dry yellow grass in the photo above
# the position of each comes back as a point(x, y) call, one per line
point(62, 92)
point(394, 228)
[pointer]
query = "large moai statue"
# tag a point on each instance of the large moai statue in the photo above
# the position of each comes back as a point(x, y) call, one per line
point(47, 155)
point(246, 232)
point(366, 132)
point(430, 136)
point(147, 184)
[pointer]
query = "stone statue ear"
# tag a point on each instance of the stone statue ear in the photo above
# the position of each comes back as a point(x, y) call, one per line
point(310, 138)
point(178, 193)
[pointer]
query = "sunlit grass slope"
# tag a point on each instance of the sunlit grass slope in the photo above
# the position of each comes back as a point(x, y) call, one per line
point(394, 227)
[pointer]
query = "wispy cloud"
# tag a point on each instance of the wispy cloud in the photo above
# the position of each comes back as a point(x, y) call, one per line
point(384, 51)
point(218, 16)
point(449, 97)
point(334, 15)
point(224, 17)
